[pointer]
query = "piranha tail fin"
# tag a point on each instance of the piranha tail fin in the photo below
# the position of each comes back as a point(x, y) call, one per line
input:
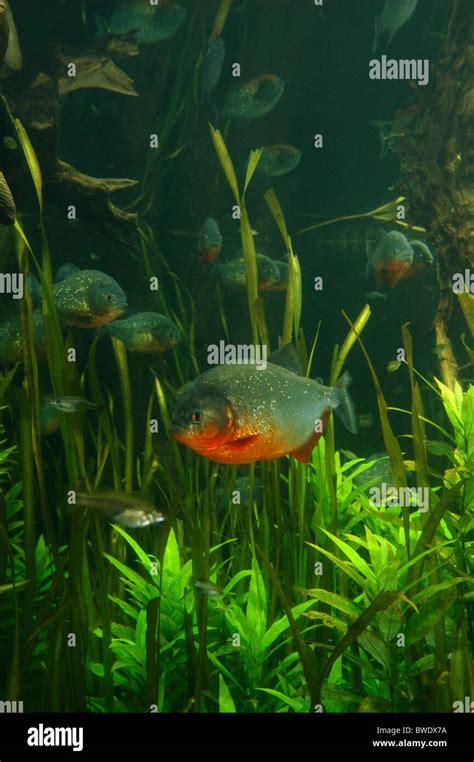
point(345, 408)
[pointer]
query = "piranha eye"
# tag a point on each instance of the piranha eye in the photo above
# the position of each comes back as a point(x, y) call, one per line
point(196, 416)
point(110, 298)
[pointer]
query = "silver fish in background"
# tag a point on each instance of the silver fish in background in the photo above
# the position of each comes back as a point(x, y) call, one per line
point(395, 13)
point(69, 403)
point(348, 239)
point(208, 588)
point(146, 332)
point(210, 241)
point(253, 99)
point(51, 407)
point(152, 23)
point(125, 508)
point(242, 486)
point(211, 65)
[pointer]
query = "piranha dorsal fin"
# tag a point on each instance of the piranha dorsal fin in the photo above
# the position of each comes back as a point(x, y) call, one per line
point(64, 271)
point(287, 357)
point(304, 453)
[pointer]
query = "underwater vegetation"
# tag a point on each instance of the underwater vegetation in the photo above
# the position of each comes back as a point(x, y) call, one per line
point(191, 519)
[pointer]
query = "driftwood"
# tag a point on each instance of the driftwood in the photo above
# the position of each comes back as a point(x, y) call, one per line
point(33, 95)
point(437, 169)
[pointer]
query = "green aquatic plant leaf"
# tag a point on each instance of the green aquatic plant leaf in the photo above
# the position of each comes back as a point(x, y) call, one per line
point(221, 17)
point(256, 611)
point(225, 162)
point(297, 704)
point(424, 622)
point(252, 164)
point(339, 602)
point(276, 210)
point(280, 625)
point(353, 557)
point(32, 161)
point(226, 702)
point(349, 341)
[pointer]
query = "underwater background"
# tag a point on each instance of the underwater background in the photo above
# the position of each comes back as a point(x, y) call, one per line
point(136, 573)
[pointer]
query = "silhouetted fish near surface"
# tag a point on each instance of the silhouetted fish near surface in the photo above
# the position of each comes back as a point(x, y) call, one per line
point(278, 159)
point(211, 65)
point(125, 508)
point(233, 274)
point(210, 241)
point(395, 13)
point(394, 258)
point(253, 99)
point(147, 332)
point(89, 299)
point(7, 204)
point(240, 414)
point(152, 23)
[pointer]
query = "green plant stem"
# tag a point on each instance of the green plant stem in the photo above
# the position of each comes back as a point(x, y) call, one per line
point(124, 378)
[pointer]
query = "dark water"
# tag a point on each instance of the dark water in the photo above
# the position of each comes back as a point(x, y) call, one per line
point(322, 53)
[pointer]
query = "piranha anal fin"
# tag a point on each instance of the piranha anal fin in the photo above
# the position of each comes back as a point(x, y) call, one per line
point(287, 357)
point(304, 453)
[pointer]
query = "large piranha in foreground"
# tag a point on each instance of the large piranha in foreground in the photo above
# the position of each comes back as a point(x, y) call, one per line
point(243, 413)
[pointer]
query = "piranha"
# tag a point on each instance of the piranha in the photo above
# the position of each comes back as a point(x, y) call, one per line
point(278, 159)
point(283, 280)
point(253, 99)
point(240, 414)
point(233, 274)
point(11, 338)
point(395, 13)
point(210, 241)
point(7, 204)
point(211, 65)
point(151, 23)
point(394, 258)
point(124, 508)
point(87, 298)
point(147, 332)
